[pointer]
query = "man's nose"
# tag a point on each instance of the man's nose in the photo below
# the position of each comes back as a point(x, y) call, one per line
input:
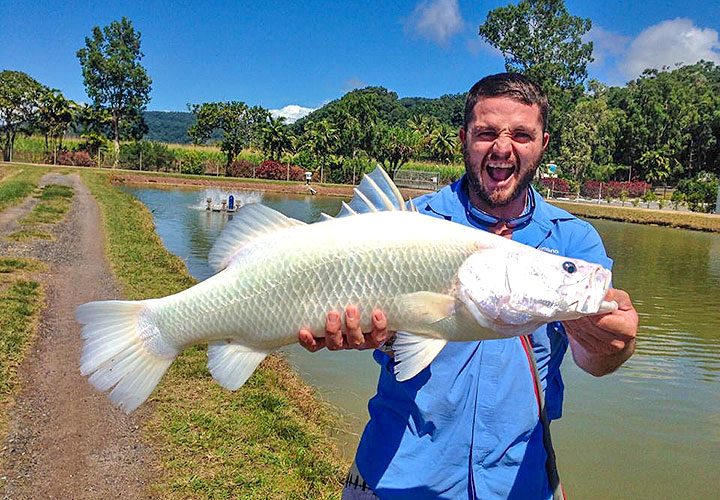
point(502, 147)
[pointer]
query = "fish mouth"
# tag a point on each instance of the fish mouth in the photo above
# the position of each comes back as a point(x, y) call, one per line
point(500, 172)
point(598, 286)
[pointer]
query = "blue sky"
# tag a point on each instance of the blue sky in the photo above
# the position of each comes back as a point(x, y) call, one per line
point(276, 54)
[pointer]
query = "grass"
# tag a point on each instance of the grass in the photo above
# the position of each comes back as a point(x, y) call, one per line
point(684, 220)
point(54, 202)
point(20, 301)
point(268, 440)
point(18, 184)
point(30, 234)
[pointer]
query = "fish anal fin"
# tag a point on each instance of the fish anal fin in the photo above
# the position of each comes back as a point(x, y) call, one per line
point(231, 363)
point(413, 353)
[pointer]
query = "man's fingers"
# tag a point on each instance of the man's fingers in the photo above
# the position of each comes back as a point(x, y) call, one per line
point(354, 334)
point(379, 332)
point(312, 344)
point(333, 331)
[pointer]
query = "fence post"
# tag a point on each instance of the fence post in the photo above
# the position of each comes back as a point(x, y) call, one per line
point(717, 202)
point(600, 193)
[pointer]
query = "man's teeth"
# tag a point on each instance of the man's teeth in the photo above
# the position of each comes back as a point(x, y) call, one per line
point(501, 165)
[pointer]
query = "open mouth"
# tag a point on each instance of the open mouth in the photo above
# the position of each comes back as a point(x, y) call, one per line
point(500, 173)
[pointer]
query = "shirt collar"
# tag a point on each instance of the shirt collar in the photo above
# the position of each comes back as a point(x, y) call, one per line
point(451, 202)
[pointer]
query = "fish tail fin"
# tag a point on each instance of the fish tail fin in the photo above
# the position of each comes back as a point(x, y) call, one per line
point(123, 350)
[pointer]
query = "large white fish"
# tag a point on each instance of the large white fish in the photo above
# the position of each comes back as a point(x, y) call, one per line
point(437, 281)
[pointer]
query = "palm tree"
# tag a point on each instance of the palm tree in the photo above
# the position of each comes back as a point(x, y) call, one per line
point(321, 140)
point(443, 143)
point(56, 114)
point(276, 138)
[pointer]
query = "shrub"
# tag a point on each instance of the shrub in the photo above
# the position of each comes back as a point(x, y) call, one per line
point(554, 186)
point(614, 189)
point(273, 170)
point(77, 158)
point(699, 193)
point(241, 168)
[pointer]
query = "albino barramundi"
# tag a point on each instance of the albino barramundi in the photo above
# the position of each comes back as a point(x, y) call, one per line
point(437, 281)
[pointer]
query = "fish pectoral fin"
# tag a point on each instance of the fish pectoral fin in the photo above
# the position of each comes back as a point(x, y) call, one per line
point(413, 353)
point(426, 308)
point(231, 363)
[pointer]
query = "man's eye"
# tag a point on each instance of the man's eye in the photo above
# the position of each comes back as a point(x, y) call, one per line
point(522, 136)
point(486, 135)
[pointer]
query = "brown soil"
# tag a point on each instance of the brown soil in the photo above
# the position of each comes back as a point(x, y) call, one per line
point(65, 440)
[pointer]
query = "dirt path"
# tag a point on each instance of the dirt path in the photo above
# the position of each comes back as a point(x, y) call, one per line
point(65, 440)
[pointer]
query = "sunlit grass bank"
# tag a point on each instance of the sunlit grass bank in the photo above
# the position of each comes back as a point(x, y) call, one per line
point(18, 183)
point(267, 440)
point(53, 203)
point(684, 220)
point(20, 301)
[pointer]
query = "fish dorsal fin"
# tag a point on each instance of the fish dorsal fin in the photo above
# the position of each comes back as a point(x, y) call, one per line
point(250, 222)
point(376, 193)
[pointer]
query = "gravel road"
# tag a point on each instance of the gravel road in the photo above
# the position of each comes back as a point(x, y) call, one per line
point(65, 440)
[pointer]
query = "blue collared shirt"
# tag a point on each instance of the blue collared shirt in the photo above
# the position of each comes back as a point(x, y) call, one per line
point(467, 426)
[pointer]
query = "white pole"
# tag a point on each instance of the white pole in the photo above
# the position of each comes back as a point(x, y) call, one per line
point(717, 202)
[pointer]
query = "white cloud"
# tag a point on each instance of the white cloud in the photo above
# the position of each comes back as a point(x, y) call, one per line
point(606, 44)
point(291, 112)
point(436, 20)
point(353, 83)
point(477, 45)
point(668, 43)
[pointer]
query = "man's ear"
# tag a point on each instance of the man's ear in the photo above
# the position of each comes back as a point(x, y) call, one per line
point(461, 135)
point(546, 140)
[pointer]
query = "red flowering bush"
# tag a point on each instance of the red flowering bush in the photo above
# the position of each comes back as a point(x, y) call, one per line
point(614, 189)
point(241, 168)
point(273, 170)
point(556, 186)
point(77, 158)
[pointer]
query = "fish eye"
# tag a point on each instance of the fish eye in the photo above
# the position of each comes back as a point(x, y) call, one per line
point(569, 267)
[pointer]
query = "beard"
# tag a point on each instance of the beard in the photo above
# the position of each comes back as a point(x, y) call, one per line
point(497, 198)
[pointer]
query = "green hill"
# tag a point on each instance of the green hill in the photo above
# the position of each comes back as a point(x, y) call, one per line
point(168, 126)
point(171, 126)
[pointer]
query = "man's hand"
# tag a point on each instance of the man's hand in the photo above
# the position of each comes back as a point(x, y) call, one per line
point(600, 344)
point(352, 337)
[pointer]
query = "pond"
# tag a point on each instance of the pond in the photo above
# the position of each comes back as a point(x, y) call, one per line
point(651, 430)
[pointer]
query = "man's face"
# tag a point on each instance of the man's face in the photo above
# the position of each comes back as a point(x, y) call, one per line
point(502, 146)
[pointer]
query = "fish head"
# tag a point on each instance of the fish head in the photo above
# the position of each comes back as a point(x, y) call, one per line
point(531, 287)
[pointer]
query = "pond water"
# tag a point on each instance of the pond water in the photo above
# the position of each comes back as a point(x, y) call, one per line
point(651, 430)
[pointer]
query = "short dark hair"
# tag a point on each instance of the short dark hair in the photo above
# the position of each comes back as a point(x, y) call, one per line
point(513, 85)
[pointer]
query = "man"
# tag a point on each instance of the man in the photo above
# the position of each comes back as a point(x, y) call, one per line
point(469, 425)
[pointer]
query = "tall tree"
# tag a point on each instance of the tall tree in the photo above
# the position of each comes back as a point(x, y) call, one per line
point(540, 39)
point(114, 78)
point(321, 139)
point(56, 115)
point(395, 146)
point(276, 138)
point(20, 97)
point(240, 125)
point(588, 137)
